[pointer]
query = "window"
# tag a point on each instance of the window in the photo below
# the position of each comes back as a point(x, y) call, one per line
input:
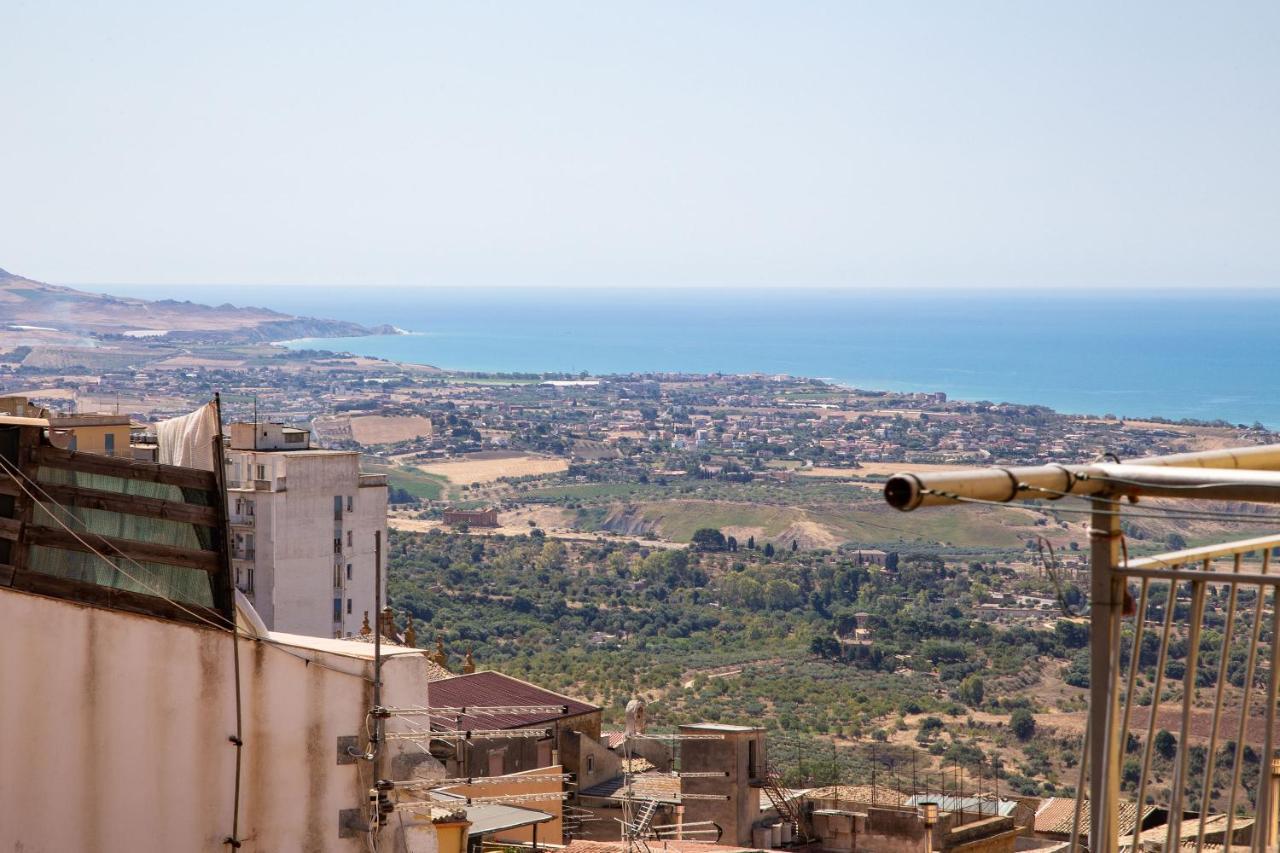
point(350, 502)
point(294, 437)
point(348, 607)
point(262, 472)
point(110, 445)
point(751, 760)
point(591, 763)
point(348, 571)
point(348, 538)
point(337, 610)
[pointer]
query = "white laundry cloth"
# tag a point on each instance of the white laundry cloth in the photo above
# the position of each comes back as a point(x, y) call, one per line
point(188, 440)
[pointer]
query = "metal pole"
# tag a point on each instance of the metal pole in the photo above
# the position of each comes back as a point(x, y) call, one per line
point(1104, 747)
point(378, 722)
point(1247, 474)
point(220, 479)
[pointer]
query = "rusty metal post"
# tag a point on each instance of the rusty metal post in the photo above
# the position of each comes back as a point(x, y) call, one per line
point(1106, 604)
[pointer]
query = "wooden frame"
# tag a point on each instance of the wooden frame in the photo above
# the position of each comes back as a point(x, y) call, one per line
point(34, 452)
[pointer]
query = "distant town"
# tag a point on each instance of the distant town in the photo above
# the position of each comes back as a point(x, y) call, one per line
point(617, 611)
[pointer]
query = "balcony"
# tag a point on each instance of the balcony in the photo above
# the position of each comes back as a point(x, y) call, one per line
point(1217, 605)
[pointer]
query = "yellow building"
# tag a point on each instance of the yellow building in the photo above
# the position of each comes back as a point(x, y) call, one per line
point(106, 435)
point(100, 433)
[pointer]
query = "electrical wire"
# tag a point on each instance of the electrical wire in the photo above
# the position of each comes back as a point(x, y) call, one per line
point(275, 644)
point(10, 468)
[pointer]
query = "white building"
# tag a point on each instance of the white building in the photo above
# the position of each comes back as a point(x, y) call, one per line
point(303, 522)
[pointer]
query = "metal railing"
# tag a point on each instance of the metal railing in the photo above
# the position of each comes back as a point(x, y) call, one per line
point(1178, 596)
point(1212, 610)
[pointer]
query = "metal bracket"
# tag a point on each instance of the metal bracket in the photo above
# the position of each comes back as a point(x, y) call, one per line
point(352, 823)
point(348, 749)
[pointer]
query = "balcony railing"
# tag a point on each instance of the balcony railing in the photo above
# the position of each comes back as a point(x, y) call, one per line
point(1171, 601)
point(1172, 597)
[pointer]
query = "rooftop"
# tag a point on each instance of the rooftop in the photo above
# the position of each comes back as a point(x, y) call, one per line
point(480, 689)
point(1057, 814)
point(662, 787)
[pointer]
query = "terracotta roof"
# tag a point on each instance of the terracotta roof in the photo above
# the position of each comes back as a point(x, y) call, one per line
point(612, 740)
point(479, 689)
point(662, 787)
point(865, 794)
point(1215, 826)
point(1057, 814)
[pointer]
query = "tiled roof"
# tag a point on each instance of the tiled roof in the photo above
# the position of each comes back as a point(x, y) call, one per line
point(662, 787)
point(1215, 826)
point(612, 740)
point(489, 689)
point(865, 794)
point(1057, 814)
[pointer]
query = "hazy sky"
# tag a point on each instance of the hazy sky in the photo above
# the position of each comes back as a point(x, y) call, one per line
point(600, 143)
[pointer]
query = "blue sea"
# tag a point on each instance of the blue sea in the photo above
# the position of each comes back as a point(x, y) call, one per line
point(1204, 355)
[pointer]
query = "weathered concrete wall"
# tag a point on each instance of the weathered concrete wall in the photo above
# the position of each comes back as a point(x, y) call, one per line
point(521, 754)
point(739, 811)
point(894, 831)
point(576, 748)
point(989, 835)
point(114, 733)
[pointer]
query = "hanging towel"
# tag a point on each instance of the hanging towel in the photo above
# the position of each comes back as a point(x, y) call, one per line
point(188, 440)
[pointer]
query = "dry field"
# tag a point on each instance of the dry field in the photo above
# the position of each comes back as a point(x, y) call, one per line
point(182, 362)
point(491, 466)
point(1170, 718)
point(555, 522)
point(389, 429)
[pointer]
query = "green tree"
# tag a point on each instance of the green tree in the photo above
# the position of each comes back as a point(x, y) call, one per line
point(709, 539)
point(1166, 744)
point(1022, 724)
point(768, 549)
point(972, 691)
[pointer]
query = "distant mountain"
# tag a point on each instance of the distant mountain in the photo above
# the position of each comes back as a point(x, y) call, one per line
point(24, 302)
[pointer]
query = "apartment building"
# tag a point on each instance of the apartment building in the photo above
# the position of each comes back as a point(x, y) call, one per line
point(304, 524)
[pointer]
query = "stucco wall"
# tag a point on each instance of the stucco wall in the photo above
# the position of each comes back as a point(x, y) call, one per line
point(114, 734)
point(739, 812)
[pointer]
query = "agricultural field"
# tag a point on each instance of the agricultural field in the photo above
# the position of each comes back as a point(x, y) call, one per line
point(490, 466)
point(388, 429)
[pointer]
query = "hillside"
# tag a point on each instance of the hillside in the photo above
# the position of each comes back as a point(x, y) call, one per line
point(25, 302)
